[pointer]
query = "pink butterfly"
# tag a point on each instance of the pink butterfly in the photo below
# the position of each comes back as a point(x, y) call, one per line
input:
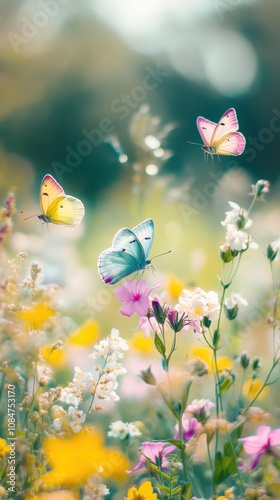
point(221, 138)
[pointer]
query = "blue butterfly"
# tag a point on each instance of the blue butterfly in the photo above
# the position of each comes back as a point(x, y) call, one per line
point(128, 253)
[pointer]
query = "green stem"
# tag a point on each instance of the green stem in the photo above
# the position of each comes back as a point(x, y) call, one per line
point(182, 450)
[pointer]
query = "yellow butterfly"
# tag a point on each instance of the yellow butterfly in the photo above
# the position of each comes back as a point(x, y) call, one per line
point(56, 206)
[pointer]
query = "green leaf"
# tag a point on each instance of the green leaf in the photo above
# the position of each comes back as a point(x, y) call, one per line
point(218, 475)
point(226, 384)
point(159, 345)
point(186, 492)
point(177, 443)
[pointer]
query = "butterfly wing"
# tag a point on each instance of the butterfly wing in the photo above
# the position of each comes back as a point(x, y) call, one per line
point(65, 210)
point(206, 129)
point(50, 190)
point(231, 144)
point(227, 124)
point(145, 235)
point(126, 241)
point(115, 265)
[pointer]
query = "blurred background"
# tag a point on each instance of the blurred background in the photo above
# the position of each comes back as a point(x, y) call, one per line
point(104, 95)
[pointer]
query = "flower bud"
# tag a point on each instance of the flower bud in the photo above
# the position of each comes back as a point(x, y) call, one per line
point(244, 360)
point(148, 376)
point(260, 188)
point(159, 311)
point(232, 312)
point(271, 253)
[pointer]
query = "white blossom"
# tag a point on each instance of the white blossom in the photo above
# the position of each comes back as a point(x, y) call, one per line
point(235, 299)
point(197, 303)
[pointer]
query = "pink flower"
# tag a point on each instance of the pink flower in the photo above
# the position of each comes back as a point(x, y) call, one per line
point(156, 453)
point(264, 442)
point(190, 427)
point(135, 297)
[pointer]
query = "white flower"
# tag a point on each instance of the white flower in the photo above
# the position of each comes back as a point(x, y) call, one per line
point(235, 299)
point(121, 430)
point(77, 418)
point(83, 381)
point(235, 215)
point(71, 397)
point(111, 348)
point(237, 240)
point(197, 303)
point(275, 245)
point(199, 407)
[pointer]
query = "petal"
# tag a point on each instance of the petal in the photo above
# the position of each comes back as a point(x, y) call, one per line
point(127, 308)
point(274, 437)
point(146, 488)
point(141, 306)
point(122, 293)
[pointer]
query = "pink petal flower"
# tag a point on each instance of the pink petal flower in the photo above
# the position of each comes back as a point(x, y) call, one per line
point(135, 297)
point(156, 452)
point(265, 440)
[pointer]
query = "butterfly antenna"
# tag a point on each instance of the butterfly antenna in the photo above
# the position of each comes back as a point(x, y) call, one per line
point(159, 255)
point(194, 143)
point(29, 217)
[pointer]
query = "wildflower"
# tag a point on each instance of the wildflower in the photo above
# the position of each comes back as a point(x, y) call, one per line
point(135, 297)
point(36, 316)
point(232, 304)
point(197, 304)
point(223, 362)
point(53, 354)
point(237, 217)
point(123, 430)
point(111, 348)
point(273, 249)
point(158, 311)
point(77, 418)
point(200, 408)
point(190, 427)
point(73, 460)
point(149, 325)
point(260, 188)
point(85, 335)
point(180, 322)
point(4, 448)
point(142, 344)
point(237, 240)
point(197, 366)
point(174, 286)
point(154, 452)
point(95, 491)
point(145, 492)
point(252, 387)
point(264, 442)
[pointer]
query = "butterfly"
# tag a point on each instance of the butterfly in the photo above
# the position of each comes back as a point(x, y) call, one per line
point(56, 206)
point(221, 138)
point(128, 254)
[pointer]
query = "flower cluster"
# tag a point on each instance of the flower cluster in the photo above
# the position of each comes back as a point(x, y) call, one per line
point(98, 386)
point(237, 239)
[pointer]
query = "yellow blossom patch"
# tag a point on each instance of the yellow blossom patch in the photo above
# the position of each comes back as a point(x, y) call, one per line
point(205, 353)
point(145, 345)
point(54, 495)
point(73, 460)
point(4, 449)
point(251, 388)
point(145, 492)
point(174, 286)
point(54, 357)
point(36, 316)
point(85, 335)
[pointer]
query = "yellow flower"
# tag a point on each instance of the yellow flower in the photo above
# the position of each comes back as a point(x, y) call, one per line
point(36, 316)
point(143, 344)
point(4, 449)
point(251, 388)
point(73, 460)
point(54, 357)
point(85, 335)
point(174, 286)
point(205, 353)
point(55, 495)
point(145, 492)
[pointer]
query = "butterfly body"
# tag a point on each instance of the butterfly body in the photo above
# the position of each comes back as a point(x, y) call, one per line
point(221, 138)
point(128, 254)
point(56, 206)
